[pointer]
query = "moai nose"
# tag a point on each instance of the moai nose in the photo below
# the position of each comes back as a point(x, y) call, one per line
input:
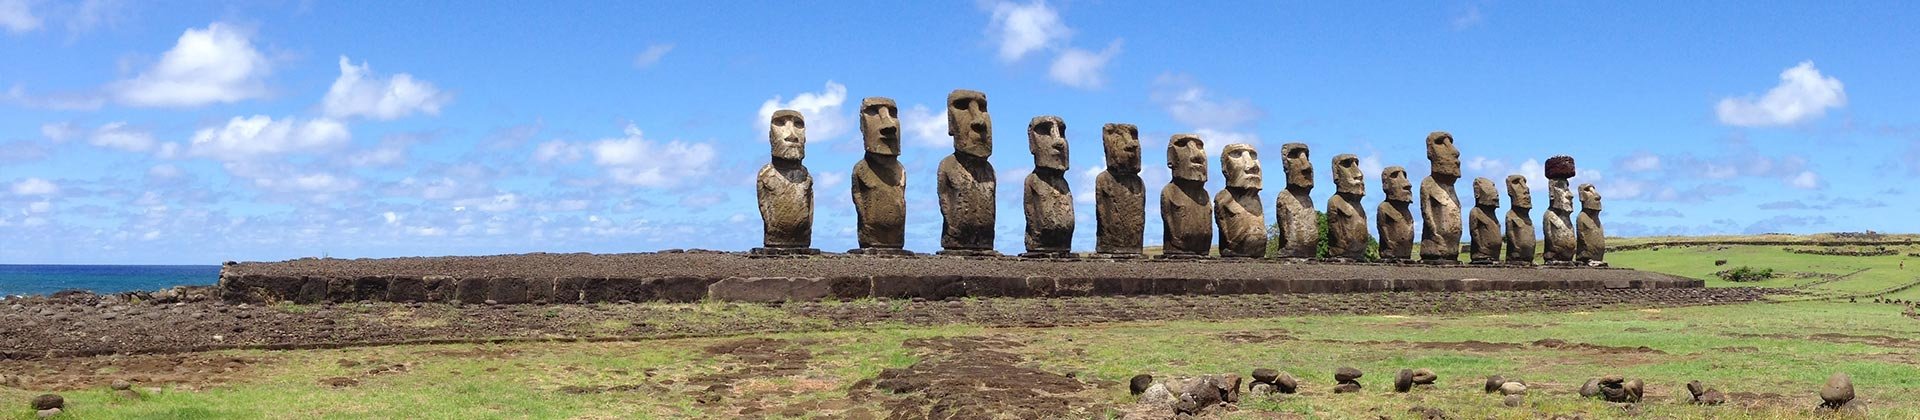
point(890, 131)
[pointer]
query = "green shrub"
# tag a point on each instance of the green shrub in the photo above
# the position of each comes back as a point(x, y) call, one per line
point(1746, 274)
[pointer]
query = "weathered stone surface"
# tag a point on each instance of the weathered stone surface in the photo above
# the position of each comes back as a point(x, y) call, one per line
point(1424, 376)
point(1119, 196)
point(1403, 381)
point(1439, 204)
point(1238, 209)
point(1265, 375)
point(785, 188)
point(1346, 374)
point(1047, 200)
point(1513, 388)
point(770, 289)
point(1139, 383)
point(1591, 389)
point(1286, 384)
point(1513, 400)
point(1493, 383)
point(1395, 218)
point(1483, 223)
point(966, 179)
point(49, 401)
point(1346, 217)
point(1518, 236)
point(879, 180)
point(1559, 223)
point(1295, 214)
point(1591, 237)
point(1158, 395)
point(1838, 390)
point(1186, 216)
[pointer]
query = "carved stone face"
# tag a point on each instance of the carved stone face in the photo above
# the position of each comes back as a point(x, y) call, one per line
point(1298, 164)
point(1394, 181)
point(880, 126)
point(1187, 157)
point(788, 134)
point(1518, 193)
point(968, 123)
point(1241, 165)
point(1047, 139)
point(1560, 198)
point(1347, 178)
point(1444, 158)
point(1589, 198)
point(1485, 194)
point(1123, 147)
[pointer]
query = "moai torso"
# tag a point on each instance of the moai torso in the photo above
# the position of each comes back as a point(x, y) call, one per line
point(1346, 219)
point(1047, 201)
point(1558, 223)
point(1439, 205)
point(1186, 215)
point(1483, 222)
point(1119, 196)
point(965, 179)
point(1519, 233)
point(879, 180)
point(1395, 219)
point(1293, 209)
point(1238, 210)
point(1592, 237)
point(785, 190)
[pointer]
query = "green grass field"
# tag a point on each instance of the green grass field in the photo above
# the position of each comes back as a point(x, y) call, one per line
point(1770, 357)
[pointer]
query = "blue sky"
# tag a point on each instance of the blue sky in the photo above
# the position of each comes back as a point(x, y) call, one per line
point(134, 132)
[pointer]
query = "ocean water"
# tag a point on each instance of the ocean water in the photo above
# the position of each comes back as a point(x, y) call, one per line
point(46, 279)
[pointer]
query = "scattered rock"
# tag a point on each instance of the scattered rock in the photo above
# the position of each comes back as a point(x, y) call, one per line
point(120, 385)
point(54, 401)
point(1348, 387)
point(1261, 388)
point(1635, 389)
point(1265, 375)
point(1494, 382)
point(339, 382)
point(1711, 397)
point(1695, 388)
point(1140, 383)
point(1286, 384)
point(1157, 394)
point(1403, 382)
point(1424, 376)
point(1838, 392)
point(47, 413)
point(1514, 400)
point(1346, 374)
point(1591, 389)
point(1513, 388)
point(1428, 413)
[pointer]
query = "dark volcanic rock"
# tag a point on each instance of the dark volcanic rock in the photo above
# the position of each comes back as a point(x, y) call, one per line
point(1139, 383)
point(1346, 374)
point(48, 402)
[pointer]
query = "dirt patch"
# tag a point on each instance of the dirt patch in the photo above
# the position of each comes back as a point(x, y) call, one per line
point(979, 377)
point(1877, 340)
point(1249, 337)
point(744, 362)
point(1469, 345)
point(1555, 343)
point(188, 371)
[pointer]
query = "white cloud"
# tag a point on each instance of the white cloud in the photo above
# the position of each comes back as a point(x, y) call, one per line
point(1083, 69)
point(16, 16)
point(118, 135)
point(637, 161)
point(1215, 140)
point(35, 186)
point(164, 171)
point(61, 101)
point(1803, 95)
point(213, 65)
point(1023, 29)
point(1806, 180)
point(1641, 162)
point(651, 56)
point(926, 128)
point(318, 182)
point(360, 93)
point(556, 151)
point(1088, 177)
point(1191, 104)
point(259, 135)
point(59, 132)
point(821, 111)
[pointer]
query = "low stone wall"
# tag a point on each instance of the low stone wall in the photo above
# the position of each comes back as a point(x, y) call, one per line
point(1844, 252)
point(580, 278)
point(1830, 243)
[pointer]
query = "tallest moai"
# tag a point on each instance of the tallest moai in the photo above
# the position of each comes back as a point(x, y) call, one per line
point(1439, 204)
point(966, 179)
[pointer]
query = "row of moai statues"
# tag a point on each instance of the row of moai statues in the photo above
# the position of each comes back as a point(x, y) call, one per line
point(966, 190)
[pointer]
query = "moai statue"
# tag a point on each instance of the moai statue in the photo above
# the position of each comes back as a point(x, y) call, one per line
point(880, 182)
point(1186, 216)
point(1293, 209)
point(1519, 233)
point(1559, 218)
point(966, 181)
point(1119, 197)
point(1484, 223)
point(1346, 219)
point(1439, 205)
point(1238, 209)
point(1395, 220)
point(786, 190)
point(1048, 202)
point(1592, 239)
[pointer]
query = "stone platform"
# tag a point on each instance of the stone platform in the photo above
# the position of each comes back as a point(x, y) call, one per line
point(695, 276)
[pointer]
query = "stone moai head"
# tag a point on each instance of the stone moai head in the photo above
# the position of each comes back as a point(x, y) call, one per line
point(1347, 178)
point(968, 123)
point(1299, 165)
point(1241, 165)
point(1485, 194)
point(788, 134)
point(1559, 197)
point(1187, 157)
point(880, 126)
point(1589, 198)
point(1518, 193)
point(1123, 147)
point(1445, 158)
point(1047, 139)
point(1394, 182)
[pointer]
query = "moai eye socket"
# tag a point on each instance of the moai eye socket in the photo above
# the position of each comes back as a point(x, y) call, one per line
point(797, 123)
point(1297, 153)
point(960, 104)
point(873, 110)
